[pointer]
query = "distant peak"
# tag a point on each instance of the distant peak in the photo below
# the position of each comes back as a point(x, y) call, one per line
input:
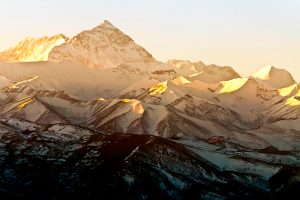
point(104, 46)
point(106, 24)
point(269, 68)
point(276, 77)
point(265, 72)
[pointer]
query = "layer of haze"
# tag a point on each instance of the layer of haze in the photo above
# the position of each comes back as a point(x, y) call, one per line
point(244, 34)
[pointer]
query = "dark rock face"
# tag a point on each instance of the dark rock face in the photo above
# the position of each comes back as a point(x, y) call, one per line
point(286, 183)
point(63, 162)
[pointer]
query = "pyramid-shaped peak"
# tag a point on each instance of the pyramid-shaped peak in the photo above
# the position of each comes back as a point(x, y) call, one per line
point(276, 77)
point(266, 72)
point(263, 73)
point(106, 25)
point(104, 34)
point(106, 22)
point(103, 46)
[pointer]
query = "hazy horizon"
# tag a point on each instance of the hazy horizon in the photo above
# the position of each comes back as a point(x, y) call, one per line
point(245, 35)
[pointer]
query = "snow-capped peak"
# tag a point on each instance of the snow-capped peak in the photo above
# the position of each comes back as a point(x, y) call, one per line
point(232, 85)
point(107, 24)
point(186, 67)
point(33, 49)
point(265, 72)
point(274, 77)
point(104, 46)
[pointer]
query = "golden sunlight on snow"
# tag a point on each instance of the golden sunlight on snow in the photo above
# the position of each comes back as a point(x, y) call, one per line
point(23, 104)
point(195, 74)
point(32, 49)
point(159, 88)
point(232, 85)
point(137, 107)
point(101, 99)
point(126, 100)
point(292, 102)
point(263, 73)
point(287, 90)
point(13, 86)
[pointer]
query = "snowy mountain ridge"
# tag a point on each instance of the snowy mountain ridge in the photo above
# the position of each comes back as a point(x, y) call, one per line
point(99, 83)
point(104, 46)
point(32, 49)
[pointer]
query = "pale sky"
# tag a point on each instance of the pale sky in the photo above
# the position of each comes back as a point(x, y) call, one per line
point(245, 34)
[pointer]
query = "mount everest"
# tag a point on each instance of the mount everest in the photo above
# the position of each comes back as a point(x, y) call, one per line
point(243, 130)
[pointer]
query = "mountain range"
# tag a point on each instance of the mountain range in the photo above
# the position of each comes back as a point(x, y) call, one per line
point(100, 86)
